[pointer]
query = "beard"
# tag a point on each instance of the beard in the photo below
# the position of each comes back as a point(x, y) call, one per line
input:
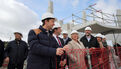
point(88, 34)
point(50, 28)
point(17, 38)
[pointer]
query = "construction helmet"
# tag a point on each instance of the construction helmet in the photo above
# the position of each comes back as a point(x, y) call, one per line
point(103, 36)
point(18, 33)
point(47, 15)
point(57, 25)
point(99, 35)
point(64, 32)
point(88, 28)
point(74, 31)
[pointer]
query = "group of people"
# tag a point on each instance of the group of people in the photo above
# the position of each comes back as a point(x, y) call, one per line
point(47, 49)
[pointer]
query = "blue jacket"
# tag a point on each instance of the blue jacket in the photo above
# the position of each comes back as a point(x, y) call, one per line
point(42, 50)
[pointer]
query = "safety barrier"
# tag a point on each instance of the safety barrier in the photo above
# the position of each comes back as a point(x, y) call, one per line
point(97, 58)
point(94, 58)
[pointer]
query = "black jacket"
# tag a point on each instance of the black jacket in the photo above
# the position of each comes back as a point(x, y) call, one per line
point(59, 58)
point(61, 40)
point(1, 52)
point(68, 40)
point(92, 43)
point(17, 51)
point(42, 51)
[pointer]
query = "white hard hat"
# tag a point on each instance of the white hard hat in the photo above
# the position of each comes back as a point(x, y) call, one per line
point(103, 36)
point(88, 28)
point(74, 31)
point(57, 25)
point(65, 32)
point(47, 15)
point(99, 35)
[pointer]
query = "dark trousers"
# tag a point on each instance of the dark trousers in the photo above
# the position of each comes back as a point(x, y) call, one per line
point(14, 66)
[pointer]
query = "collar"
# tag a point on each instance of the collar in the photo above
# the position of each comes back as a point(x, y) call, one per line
point(44, 30)
point(54, 35)
point(65, 38)
point(17, 40)
point(88, 36)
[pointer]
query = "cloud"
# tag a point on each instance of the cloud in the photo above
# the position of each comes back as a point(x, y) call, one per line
point(75, 3)
point(109, 6)
point(15, 16)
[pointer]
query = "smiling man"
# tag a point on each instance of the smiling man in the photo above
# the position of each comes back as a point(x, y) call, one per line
point(42, 48)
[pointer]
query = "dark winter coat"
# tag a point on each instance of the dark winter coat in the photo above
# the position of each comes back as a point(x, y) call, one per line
point(42, 50)
point(17, 51)
point(92, 43)
point(67, 41)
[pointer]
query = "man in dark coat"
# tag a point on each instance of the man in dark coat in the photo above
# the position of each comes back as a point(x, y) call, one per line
point(16, 52)
point(1, 52)
point(43, 50)
point(66, 39)
point(88, 40)
point(60, 60)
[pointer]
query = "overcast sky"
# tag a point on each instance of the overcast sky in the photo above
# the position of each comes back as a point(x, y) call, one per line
point(23, 15)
